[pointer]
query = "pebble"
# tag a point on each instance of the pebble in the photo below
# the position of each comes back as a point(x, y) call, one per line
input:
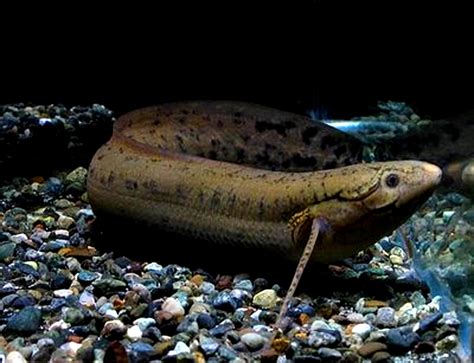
point(265, 299)
point(26, 321)
point(370, 348)
point(15, 357)
point(208, 344)
point(173, 306)
point(386, 317)
point(180, 348)
point(447, 343)
point(362, 330)
point(253, 341)
point(134, 333)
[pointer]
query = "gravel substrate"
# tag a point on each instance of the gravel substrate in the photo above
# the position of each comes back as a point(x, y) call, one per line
point(35, 139)
point(62, 300)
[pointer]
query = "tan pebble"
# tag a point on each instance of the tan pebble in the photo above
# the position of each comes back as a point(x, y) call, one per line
point(370, 348)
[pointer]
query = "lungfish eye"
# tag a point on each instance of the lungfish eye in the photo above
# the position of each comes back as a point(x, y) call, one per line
point(392, 180)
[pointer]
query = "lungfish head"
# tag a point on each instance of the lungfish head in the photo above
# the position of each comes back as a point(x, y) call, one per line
point(370, 201)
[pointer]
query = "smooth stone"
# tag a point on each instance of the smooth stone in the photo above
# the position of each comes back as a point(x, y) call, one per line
point(87, 299)
point(173, 306)
point(15, 357)
point(226, 353)
point(244, 285)
point(109, 285)
point(26, 321)
point(70, 348)
point(63, 293)
point(143, 349)
point(370, 348)
point(363, 330)
point(74, 316)
point(253, 341)
point(206, 321)
point(153, 267)
point(87, 277)
point(386, 317)
point(113, 327)
point(134, 333)
point(144, 323)
point(207, 288)
point(265, 299)
point(7, 250)
point(329, 355)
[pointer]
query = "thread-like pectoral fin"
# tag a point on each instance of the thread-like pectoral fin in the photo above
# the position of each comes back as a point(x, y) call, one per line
point(315, 225)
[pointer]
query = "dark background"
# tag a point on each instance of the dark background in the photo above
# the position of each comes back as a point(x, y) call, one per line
point(334, 56)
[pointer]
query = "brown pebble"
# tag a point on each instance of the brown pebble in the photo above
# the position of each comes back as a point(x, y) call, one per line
point(370, 348)
point(197, 280)
point(224, 282)
point(161, 348)
point(304, 318)
point(375, 304)
point(281, 345)
point(381, 357)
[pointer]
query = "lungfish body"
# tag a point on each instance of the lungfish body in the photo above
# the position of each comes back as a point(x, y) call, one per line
point(192, 169)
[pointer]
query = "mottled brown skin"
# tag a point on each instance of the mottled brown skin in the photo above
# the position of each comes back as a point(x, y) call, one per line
point(204, 170)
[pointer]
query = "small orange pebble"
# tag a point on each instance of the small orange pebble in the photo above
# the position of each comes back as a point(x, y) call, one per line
point(197, 280)
point(118, 303)
point(303, 318)
point(37, 179)
point(375, 304)
point(301, 335)
point(78, 251)
point(281, 345)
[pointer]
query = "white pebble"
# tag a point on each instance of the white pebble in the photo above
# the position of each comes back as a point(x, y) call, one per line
point(362, 330)
point(63, 293)
point(18, 238)
point(87, 299)
point(62, 233)
point(179, 348)
point(71, 348)
point(59, 325)
point(111, 313)
point(153, 267)
point(134, 333)
point(15, 357)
